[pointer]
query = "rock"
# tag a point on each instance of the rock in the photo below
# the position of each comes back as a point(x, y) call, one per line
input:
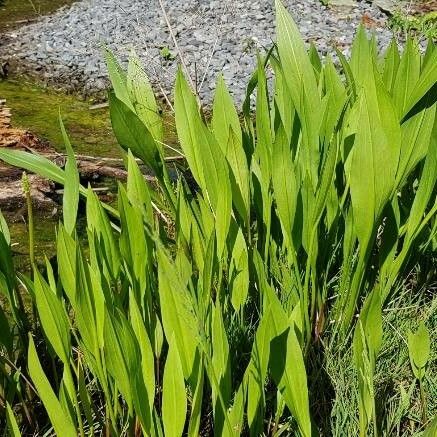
point(68, 44)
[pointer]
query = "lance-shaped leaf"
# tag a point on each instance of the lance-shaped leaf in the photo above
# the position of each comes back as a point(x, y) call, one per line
point(287, 364)
point(132, 133)
point(284, 184)
point(391, 65)
point(302, 84)
point(426, 186)
point(104, 246)
point(33, 163)
point(58, 417)
point(134, 244)
point(137, 189)
point(419, 345)
point(227, 131)
point(416, 139)
point(426, 83)
point(225, 117)
point(141, 95)
point(366, 345)
point(263, 149)
point(72, 183)
point(144, 399)
point(54, 319)
point(363, 57)
point(11, 422)
point(376, 149)
point(122, 356)
point(118, 79)
point(177, 312)
point(205, 158)
point(407, 76)
point(256, 373)
point(174, 400)
point(221, 367)
point(196, 405)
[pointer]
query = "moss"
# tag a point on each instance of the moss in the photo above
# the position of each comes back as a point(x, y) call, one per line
point(36, 108)
point(14, 12)
point(44, 238)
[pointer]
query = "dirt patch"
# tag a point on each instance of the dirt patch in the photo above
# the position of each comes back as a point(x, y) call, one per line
point(424, 7)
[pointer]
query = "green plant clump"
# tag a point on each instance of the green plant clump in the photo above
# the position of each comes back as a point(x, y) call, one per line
point(266, 290)
point(423, 26)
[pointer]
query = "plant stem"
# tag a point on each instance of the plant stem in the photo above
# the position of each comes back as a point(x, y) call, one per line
point(423, 401)
point(26, 190)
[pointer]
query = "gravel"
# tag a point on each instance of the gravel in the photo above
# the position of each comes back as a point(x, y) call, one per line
point(213, 36)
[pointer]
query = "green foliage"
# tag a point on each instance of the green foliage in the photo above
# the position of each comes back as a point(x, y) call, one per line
point(423, 25)
point(212, 302)
point(419, 347)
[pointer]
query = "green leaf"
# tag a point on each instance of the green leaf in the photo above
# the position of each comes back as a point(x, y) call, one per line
point(263, 148)
point(132, 133)
point(122, 355)
point(66, 258)
point(287, 364)
point(406, 78)
point(178, 317)
point(54, 319)
point(416, 139)
point(431, 429)
point(302, 84)
point(12, 422)
point(102, 241)
point(376, 149)
point(134, 245)
point(71, 186)
point(426, 82)
point(366, 345)
point(236, 414)
point(118, 79)
point(391, 65)
point(256, 373)
point(196, 404)
point(59, 419)
point(205, 158)
point(225, 117)
point(221, 367)
point(33, 163)
point(419, 345)
point(145, 402)
point(285, 185)
point(4, 229)
point(361, 62)
point(174, 400)
point(143, 99)
point(227, 131)
point(239, 272)
point(137, 189)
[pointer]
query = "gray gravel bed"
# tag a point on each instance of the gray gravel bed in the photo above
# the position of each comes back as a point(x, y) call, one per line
point(214, 36)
